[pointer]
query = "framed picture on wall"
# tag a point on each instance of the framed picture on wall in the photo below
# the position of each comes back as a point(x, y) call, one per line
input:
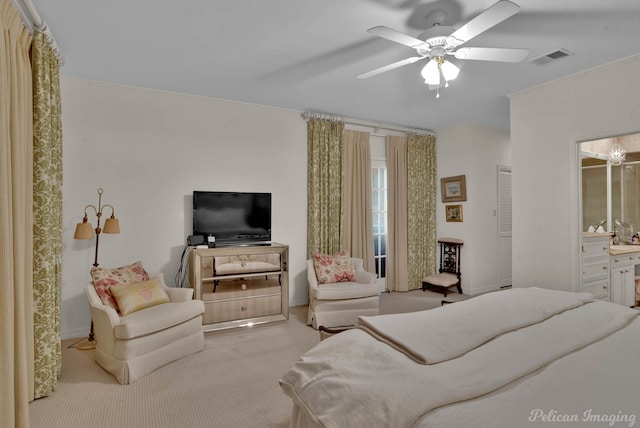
point(454, 189)
point(454, 212)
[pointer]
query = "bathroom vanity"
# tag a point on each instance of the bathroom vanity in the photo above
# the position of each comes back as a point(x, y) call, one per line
point(609, 271)
point(624, 263)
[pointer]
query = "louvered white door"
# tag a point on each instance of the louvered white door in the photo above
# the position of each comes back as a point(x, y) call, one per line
point(504, 225)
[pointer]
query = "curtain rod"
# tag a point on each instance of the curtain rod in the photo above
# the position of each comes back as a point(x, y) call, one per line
point(375, 125)
point(32, 20)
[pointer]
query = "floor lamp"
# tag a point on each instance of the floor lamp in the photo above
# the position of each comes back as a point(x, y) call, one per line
point(85, 230)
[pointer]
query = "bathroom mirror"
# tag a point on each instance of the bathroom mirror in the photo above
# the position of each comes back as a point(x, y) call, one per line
point(610, 184)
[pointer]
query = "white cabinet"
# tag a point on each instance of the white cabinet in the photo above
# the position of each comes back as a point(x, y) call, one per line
point(608, 272)
point(595, 275)
point(623, 278)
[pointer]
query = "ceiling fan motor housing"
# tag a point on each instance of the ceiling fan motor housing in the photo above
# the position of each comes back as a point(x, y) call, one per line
point(436, 35)
point(436, 41)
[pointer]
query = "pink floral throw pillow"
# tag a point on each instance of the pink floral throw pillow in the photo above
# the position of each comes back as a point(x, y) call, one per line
point(331, 269)
point(103, 279)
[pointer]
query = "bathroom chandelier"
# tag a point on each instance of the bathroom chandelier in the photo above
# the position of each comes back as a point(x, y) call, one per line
point(616, 154)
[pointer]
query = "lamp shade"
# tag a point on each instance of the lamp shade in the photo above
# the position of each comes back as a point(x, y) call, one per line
point(431, 73)
point(449, 70)
point(84, 230)
point(111, 225)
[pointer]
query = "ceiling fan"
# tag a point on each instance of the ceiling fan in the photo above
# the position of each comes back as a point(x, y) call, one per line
point(439, 41)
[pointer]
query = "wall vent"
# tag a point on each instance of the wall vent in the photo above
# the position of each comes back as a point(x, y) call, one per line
point(551, 57)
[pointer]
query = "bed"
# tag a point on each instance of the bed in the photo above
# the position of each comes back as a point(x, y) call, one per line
point(520, 357)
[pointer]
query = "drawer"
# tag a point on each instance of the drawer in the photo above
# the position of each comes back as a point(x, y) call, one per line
point(228, 289)
point(229, 310)
point(599, 289)
point(593, 271)
point(595, 247)
point(624, 259)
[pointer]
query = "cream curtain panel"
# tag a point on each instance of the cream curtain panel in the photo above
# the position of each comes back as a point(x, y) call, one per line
point(397, 237)
point(421, 206)
point(47, 211)
point(324, 185)
point(16, 220)
point(411, 242)
point(358, 217)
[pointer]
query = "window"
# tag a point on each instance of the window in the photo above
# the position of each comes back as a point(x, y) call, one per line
point(379, 202)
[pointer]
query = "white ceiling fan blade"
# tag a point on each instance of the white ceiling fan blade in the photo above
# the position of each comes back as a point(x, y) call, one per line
point(391, 66)
point(395, 36)
point(487, 19)
point(492, 54)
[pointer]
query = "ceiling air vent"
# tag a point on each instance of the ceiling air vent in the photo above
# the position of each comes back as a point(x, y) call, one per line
point(550, 57)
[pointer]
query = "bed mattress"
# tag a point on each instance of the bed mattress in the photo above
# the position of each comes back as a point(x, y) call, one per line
point(579, 363)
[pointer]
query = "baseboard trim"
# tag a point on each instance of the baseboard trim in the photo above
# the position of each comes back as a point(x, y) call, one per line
point(480, 290)
point(76, 333)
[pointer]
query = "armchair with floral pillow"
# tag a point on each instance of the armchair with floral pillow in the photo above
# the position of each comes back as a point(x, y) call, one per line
point(340, 290)
point(140, 323)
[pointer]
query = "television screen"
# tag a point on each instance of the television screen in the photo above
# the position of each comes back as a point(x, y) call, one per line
point(232, 217)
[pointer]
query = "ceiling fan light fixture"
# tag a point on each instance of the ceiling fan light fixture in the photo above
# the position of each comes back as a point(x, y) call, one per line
point(431, 73)
point(437, 70)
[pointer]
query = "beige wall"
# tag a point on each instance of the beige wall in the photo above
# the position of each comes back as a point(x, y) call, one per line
point(546, 124)
point(475, 151)
point(149, 150)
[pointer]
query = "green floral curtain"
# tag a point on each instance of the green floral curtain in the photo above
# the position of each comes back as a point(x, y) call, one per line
point(422, 173)
point(47, 211)
point(324, 185)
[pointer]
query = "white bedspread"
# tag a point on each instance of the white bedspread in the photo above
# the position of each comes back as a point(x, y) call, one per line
point(352, 380)
point(593, 387)
point(426, 336)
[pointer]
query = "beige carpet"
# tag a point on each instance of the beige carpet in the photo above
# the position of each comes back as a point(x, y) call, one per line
point(232, 383)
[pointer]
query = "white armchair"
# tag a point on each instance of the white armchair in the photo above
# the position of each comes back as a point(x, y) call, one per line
point(134, 345)
point(340, 304)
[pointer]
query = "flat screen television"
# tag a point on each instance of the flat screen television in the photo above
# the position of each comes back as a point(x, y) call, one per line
point(233, 218)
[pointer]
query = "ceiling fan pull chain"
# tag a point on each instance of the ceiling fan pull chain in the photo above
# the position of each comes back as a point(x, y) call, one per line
point(446, 82)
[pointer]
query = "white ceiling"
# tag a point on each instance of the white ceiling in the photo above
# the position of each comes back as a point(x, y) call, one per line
point(306, 54)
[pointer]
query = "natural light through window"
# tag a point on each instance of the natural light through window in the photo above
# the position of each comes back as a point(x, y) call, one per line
point(379, 202)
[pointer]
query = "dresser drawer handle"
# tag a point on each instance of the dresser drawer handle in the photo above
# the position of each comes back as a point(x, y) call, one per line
point(243, 308)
